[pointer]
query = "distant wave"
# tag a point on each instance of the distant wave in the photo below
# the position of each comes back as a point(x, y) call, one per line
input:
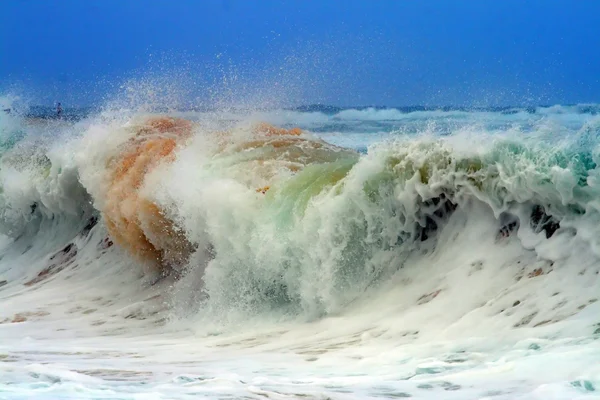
point(329, 110)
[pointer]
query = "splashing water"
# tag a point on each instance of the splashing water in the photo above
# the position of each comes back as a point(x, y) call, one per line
point(372, 253)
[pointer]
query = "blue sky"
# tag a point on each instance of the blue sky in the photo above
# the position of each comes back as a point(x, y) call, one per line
point(344, 52)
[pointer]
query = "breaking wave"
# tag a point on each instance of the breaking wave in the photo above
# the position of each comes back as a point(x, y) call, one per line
point(228, 220)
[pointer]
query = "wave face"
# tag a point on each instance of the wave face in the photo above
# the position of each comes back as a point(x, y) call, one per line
point(316, 252)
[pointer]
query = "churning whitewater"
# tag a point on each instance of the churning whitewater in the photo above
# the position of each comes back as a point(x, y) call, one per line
point(313, 253)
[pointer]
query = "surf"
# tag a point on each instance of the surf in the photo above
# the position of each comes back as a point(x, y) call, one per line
point(429, 254)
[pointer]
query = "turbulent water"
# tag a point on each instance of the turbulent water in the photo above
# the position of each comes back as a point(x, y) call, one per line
point(380, 253)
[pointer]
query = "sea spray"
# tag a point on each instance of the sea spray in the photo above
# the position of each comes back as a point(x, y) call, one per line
point(456, 261)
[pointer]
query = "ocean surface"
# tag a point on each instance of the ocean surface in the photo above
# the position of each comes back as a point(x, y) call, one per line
point(380, 253)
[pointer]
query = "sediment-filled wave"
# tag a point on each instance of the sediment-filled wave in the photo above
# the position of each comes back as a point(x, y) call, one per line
point(465, 226)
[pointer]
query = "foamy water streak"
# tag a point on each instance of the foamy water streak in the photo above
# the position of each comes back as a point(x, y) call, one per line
point(461, 262)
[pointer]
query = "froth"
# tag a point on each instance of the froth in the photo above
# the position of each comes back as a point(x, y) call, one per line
point(141, 225)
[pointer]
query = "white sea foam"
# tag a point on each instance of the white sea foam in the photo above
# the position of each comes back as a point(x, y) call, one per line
point(348, 293)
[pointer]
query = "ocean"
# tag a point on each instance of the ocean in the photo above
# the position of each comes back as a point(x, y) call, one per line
point(373, 253)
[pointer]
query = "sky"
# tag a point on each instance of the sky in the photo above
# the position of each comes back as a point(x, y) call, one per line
point(286, 52)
